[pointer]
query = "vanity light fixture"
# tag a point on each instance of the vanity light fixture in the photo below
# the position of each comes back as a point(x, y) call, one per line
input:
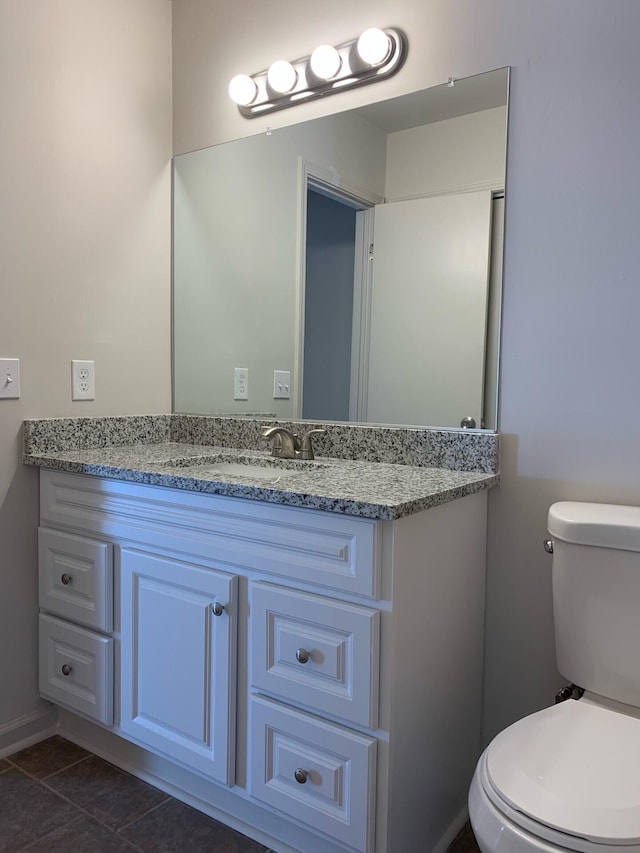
point(375, 55)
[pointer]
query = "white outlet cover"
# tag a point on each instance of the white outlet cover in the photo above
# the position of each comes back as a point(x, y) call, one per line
point(83, 380)
point(240, 383)
point(9, 378)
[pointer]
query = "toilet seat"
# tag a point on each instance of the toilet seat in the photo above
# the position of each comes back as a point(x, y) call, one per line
point(569, 773)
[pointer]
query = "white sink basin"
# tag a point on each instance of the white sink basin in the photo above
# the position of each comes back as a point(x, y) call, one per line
point(269, 470)
point(240, 469)
point(240, 466)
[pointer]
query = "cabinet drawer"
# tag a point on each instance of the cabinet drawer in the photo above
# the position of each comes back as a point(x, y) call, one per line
point(316, 651)
point(315, 772)
point(76, 578)
point(76, 668)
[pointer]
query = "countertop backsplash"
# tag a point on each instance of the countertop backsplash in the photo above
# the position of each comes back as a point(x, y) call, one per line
point(456, 450)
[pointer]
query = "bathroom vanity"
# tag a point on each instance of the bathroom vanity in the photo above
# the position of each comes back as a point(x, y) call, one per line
point(303, 663)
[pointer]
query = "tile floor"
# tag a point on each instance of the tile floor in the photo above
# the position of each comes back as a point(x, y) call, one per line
point(465, 842)
point(58, 798)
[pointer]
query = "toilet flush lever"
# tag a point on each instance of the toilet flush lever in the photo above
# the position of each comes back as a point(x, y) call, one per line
point(548, 546)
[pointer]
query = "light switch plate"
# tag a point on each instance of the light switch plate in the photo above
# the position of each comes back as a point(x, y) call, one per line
point(9, 378)
point(281, 384)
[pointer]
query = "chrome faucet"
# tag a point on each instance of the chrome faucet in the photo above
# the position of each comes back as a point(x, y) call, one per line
point(287, 444)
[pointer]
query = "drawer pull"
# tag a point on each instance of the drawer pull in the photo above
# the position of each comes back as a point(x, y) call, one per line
point(302, 655)
point(300, 775)
point(66, 669)
point(217, 608)
point(66, 579)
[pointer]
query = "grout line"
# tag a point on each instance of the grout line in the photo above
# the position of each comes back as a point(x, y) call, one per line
point(67, 767)
point(148, 812)
point(35, 778)
point(80, 809)
point(50, 833)
point(115, 831)
point(43, 780)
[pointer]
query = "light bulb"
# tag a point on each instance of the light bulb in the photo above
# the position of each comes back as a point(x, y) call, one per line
point(325, 62)
point(282, 76)
point(374, 46)
point(243, 90)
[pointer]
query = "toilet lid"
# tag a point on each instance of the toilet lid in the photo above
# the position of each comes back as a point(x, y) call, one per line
point(574, 767)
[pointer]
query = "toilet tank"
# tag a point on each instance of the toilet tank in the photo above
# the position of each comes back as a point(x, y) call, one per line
point(596, 597)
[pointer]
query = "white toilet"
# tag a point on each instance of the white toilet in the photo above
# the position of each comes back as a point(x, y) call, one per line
point(568, 777)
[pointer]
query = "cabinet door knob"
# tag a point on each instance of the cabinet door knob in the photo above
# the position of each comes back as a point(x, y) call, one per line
point(302, 655)
point(217, 608)
point(66, 579)
point(66, 669)
point(300, 775)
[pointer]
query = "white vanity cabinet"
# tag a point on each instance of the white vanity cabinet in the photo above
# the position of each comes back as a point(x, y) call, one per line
point(311, 678)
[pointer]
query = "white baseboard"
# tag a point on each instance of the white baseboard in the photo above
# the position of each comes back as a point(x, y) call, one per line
point(26, 730)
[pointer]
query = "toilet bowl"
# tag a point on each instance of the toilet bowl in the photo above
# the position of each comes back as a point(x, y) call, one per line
point(567, 778)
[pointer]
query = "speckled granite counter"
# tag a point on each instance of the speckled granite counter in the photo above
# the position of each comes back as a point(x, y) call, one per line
point(141, 450)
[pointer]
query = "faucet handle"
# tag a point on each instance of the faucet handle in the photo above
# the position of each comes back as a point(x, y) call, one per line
point(306, 450)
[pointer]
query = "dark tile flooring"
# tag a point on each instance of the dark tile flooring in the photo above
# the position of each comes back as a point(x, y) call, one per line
point(58, 798)
point(465, 842)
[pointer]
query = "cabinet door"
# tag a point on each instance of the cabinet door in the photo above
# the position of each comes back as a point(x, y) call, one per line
point(178, 661)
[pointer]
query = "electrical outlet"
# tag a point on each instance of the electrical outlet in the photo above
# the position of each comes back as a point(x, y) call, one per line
point(83, 380)
point(9, 378)
point(281, 384)
point(240, 383)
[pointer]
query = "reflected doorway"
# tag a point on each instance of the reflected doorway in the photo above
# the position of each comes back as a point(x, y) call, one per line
point(359, 315)
point(328, 299)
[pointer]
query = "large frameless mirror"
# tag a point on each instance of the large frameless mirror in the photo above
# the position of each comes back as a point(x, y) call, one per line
point(348, 268)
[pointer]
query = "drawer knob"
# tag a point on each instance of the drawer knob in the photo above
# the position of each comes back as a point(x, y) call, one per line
point(217, 608)
point(66, 669)
point(66, 579)
point(300, 775)
point(302, 655)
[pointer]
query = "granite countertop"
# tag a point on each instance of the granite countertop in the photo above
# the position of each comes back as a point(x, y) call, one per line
point(377, 490)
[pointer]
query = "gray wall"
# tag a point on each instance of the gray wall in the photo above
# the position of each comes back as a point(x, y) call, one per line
point(85, 147)
point(570, 406)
